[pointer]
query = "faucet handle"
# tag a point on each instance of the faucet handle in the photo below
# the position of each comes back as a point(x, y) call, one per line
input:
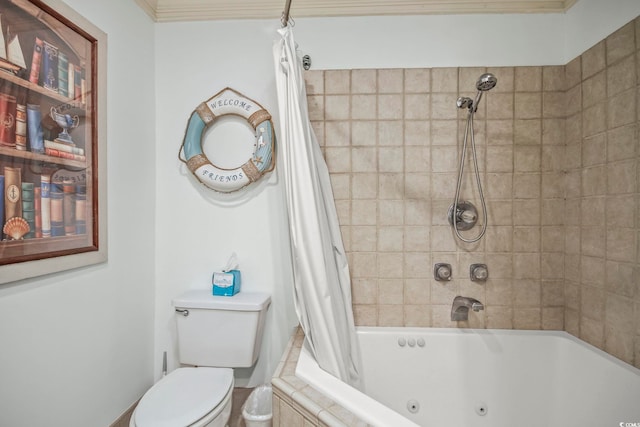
point(478, 272)
point(442, 272)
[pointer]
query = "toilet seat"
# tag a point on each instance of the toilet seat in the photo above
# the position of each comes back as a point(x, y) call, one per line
point(185, 397)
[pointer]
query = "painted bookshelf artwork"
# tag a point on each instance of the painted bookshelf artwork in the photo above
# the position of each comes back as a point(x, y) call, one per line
point(45, 205)
point(63, 74)
point(21, 127)
point(49, 67)
point(11, 55)
point(14, 52)
point(36, 59)
point(3, 43)
point(49, 137)
point(8, 110)
point(53, 207)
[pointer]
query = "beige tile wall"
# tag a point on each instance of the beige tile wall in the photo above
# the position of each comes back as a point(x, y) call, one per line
point(391, 140)
point(557, 150)
point(601, 238)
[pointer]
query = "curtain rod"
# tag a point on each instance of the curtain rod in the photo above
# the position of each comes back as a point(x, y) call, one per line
point(284, 20)
point(285, 14)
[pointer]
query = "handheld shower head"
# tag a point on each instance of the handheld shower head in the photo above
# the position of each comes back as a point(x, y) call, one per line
point(486, 82)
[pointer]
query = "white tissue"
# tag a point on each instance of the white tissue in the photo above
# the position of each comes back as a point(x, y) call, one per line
point(232, 263)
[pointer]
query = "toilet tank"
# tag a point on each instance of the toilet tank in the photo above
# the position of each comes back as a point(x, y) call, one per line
point(220, 331)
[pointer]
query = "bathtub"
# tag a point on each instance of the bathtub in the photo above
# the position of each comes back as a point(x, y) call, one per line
point(483, 378)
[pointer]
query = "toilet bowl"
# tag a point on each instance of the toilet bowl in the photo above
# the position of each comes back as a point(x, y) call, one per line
point(187, 397)
point(215, 334)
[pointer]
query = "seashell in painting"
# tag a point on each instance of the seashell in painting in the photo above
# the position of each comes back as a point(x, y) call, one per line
point(16, 228)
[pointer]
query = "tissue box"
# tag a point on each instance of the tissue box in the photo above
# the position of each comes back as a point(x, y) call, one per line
point(226, 283)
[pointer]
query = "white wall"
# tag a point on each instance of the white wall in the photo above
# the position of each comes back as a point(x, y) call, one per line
point(431, 41)
point(197, 229)
point(461, 40)
point(590, 21)
point(76, 347)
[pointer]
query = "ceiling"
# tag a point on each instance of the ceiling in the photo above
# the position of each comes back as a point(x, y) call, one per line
point(197, 10)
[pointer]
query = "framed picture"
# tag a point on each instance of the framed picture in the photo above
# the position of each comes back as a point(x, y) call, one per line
point(52, 140)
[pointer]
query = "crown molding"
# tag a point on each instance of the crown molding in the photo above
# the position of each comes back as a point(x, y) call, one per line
point(199, 10)
point(149, 6)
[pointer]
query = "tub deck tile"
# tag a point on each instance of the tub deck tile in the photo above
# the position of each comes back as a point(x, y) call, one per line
point(296, 403)
point(342, 417)
point(307, 407)
point(316, 396)
point(327, 419)
point(284, 390)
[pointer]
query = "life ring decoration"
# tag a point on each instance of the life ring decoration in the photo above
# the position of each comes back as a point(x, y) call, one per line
point(262, 160)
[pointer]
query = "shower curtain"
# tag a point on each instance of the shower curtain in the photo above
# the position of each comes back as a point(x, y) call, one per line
point(322, 285)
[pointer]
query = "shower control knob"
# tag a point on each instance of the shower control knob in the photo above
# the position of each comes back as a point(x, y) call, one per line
point(467, 217)
point(463, 215)
point(479, 272)
point(442, 272)
point(402, 342)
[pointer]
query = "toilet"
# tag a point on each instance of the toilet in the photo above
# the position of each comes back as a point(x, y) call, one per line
point(215, 335)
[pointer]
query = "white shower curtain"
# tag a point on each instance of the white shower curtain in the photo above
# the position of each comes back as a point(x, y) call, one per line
point(322, 286)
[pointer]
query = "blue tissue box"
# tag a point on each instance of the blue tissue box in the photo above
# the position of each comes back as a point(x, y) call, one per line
point(226, 283)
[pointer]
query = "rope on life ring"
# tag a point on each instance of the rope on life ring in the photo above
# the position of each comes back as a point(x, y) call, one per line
point(262, 160)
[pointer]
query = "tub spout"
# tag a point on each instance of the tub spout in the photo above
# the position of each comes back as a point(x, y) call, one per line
point(461, 306)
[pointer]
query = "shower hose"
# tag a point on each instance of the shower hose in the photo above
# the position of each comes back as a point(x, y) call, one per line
point(469, 131)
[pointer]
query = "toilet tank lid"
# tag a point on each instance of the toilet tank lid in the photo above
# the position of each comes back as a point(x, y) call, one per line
point(242, 301)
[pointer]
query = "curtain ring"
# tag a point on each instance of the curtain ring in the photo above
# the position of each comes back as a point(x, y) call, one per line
point(287, 21)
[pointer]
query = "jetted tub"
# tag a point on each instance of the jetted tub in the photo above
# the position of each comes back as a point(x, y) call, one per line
point(483, 378)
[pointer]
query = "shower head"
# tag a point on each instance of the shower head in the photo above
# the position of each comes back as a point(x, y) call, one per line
point(486, 82)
